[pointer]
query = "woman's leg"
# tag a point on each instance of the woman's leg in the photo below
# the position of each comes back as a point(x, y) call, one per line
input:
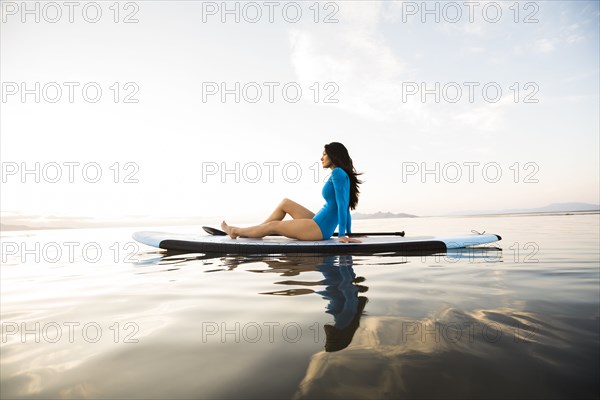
point(301, 229)
point(287, 206)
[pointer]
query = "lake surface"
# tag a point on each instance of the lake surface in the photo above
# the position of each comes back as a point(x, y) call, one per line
point(89, 313)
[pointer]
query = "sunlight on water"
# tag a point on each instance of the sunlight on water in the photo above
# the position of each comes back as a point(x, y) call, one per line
point(92, 314)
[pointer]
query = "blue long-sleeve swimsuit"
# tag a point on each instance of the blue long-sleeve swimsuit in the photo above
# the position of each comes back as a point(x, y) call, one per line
point(336, 211)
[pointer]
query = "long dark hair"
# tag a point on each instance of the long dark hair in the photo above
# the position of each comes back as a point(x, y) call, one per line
point(338, 154)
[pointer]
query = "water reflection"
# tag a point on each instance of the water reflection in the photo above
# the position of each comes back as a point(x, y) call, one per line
point(500, 353)
point(522, 349)
point(340, 285)
point(342, 288)
point(290, 265)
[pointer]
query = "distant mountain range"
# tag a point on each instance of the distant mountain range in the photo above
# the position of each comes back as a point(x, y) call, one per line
point(382, 215)
point(551, 208)
point(5, 227)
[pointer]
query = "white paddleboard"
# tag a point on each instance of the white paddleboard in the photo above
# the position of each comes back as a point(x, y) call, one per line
point(201, 243)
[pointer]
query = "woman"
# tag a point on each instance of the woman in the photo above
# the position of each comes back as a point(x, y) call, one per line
point(341, 196)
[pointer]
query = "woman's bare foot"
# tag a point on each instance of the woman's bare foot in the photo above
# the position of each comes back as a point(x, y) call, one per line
point(230, 230)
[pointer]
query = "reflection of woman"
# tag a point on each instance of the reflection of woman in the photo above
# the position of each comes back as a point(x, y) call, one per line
point(341, 196)
point(344, 302)
point(342, 291)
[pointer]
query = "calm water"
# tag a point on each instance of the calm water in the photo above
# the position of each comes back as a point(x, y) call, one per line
point(90, 314)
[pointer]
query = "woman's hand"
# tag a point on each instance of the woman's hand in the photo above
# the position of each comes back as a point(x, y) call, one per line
point(346, 239)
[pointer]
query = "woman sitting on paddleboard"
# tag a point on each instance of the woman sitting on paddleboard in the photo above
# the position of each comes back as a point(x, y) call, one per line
point(341, 196)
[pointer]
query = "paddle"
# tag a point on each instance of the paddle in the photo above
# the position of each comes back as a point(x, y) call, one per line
point(218, 232)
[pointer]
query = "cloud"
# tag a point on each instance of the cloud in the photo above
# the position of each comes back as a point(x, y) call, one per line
point(487, 116)
point(544, 45)
point(371, 76)
point(356, 57)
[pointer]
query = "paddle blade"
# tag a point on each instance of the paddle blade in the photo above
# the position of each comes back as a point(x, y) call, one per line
point(213, 231)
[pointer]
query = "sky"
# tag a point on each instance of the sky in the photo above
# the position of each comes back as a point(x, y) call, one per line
point(181, 109)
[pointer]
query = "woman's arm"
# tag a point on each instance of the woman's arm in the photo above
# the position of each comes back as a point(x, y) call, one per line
point(341, 186)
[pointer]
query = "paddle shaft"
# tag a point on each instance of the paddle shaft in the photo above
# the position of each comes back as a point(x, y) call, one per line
point(374, 234)
point(218, 232)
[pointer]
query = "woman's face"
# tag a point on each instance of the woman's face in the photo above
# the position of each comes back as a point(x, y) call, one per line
point(325, 161)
